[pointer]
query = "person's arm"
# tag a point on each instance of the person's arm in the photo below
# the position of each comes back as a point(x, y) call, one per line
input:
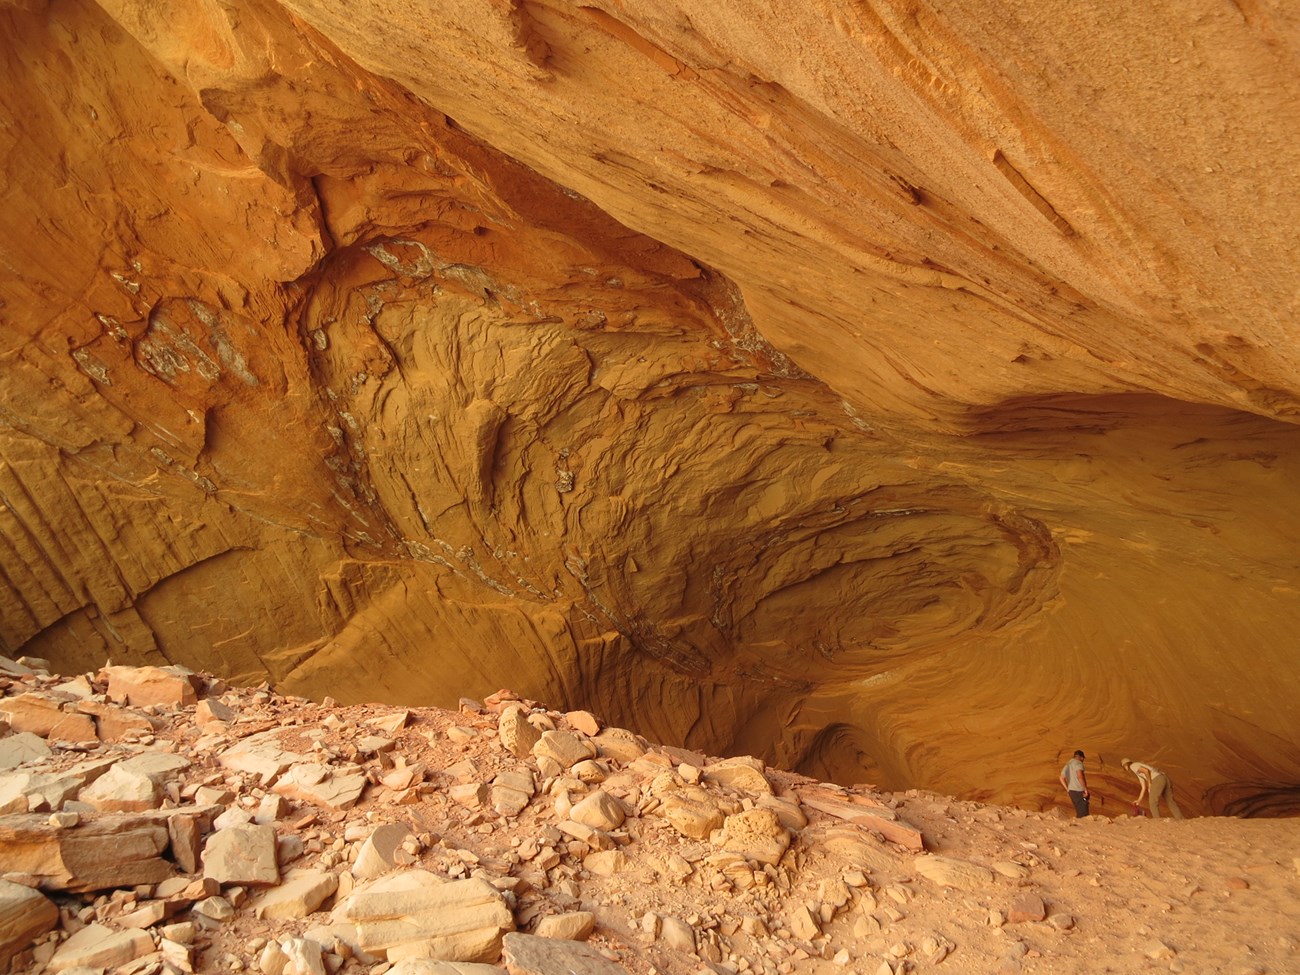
point(1142, 780)
point(1064, 785)
point(1083, 781)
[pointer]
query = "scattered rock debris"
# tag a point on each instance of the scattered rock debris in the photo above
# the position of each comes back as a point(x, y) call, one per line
point(154, 820)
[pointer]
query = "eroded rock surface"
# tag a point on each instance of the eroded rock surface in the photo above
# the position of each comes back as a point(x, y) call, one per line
point(901, 393)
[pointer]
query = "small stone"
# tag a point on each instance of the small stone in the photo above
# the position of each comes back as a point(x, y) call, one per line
point(214, 908)
point(1027, 907)
point(599, 810)
point(517, 736)
point(390, 724)
point(511, 791)
point(756, 834)
point(677, 934)
point(304, 957)
point(1159, 951)
point(182, 932)
point(590, 771)
point(145, 916)
point(573, 926)
point(802, 924)
point(606, 863)
point(743, 773)
point(271, 809)
point(212, 711)
point(690, 817)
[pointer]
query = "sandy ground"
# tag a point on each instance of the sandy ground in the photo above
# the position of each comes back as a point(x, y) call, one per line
point(1207, 895)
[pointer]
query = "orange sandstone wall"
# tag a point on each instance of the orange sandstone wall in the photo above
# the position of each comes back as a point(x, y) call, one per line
point(902, 392)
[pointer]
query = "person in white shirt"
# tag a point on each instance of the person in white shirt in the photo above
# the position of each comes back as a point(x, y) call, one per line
point(1155, 784)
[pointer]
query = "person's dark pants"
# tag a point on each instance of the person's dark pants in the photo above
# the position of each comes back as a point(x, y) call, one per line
point(1080, 804)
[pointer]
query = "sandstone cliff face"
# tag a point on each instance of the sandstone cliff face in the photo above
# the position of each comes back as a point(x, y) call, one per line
point(904, 393)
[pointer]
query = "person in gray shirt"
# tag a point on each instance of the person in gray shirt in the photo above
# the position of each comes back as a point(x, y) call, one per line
point(1075, 782)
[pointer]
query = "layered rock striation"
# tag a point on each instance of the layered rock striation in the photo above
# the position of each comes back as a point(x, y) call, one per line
point(901, 393)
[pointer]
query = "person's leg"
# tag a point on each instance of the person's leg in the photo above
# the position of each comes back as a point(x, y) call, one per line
point(1169, 798)
point(1080, 804)
point(1157, 786)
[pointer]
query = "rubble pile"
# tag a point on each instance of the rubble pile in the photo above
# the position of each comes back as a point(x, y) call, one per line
point(156, 820)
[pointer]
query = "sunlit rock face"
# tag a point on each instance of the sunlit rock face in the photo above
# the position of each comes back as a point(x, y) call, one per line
point(904, 392)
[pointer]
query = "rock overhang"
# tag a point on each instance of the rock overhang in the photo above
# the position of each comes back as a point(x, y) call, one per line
point(920, 417)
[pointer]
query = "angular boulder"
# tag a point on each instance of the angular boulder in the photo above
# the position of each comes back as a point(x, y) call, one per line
point(25, 915)
point(416, 914)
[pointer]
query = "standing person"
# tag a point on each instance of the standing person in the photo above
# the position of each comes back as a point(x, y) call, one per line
point(1075, 782)
point(1156, 783)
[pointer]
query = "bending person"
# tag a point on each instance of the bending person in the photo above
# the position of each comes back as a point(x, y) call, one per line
point(1154, 783)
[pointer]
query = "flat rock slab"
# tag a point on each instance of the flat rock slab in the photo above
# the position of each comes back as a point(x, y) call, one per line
point(158, 766)
point(120, 850)
point(142, 686)
point(99, 947)
point(241, 855)
point(881, 820)
point(301, 893)
point(26, 746)
point(527, 954)
point(565, 748)
point(331, 787)
point(1027, 907)
point(427, 966)
point(121, 790)
point(951, 872)
point(260, 755)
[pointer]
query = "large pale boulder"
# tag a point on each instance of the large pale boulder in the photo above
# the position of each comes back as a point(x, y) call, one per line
point(121, 790)
point(416, 914)
point(139, 686)
point(25, 914)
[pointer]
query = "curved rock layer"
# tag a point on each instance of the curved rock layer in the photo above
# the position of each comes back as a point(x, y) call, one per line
point(902, 392)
